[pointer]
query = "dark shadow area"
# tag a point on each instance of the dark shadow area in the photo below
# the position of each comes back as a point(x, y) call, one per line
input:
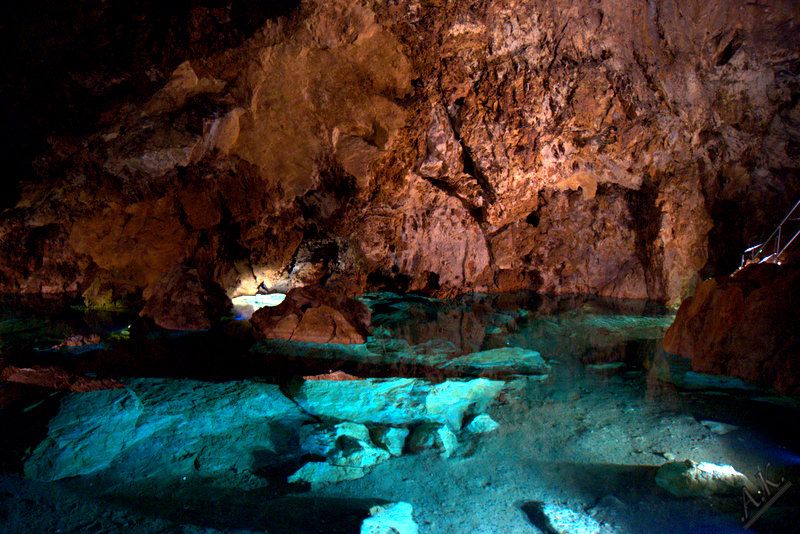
point(227, 510)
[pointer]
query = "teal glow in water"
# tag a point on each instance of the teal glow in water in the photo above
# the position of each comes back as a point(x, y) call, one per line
point(487, 414)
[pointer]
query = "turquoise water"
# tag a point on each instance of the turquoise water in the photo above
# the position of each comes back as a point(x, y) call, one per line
point(509, 413)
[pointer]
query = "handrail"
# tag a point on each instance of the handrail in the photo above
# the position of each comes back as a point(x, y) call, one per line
point(754, 254)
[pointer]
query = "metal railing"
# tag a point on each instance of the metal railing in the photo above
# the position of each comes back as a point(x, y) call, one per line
point(767, 253)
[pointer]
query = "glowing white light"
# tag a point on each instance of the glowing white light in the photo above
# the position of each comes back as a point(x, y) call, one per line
point(246, 305)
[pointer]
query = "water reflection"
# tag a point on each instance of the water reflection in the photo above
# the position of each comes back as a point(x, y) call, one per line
point(566, 411)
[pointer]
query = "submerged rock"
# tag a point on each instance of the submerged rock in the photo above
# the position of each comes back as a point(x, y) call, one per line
point(431, 436)
point(565, 520)
point(718, 427)
point(345, 445)
point(392, 518)
point(482, 423)
point(506, 360)
point(168, 428)
point(314, 315)
point(703, 479)
point(553, 518)
point(89, 432)
point(321, 439)
point(321, 473)
point(397, 401)
point(391, 438)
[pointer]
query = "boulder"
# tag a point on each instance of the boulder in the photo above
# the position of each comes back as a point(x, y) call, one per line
point(703, 479)
point(745, 326)
point(166, 428)
point(311, 314)
point(506, 360)
point(397, 401)
point(392, 518)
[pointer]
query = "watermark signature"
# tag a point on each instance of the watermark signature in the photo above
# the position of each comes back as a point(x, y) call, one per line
point(765, 496)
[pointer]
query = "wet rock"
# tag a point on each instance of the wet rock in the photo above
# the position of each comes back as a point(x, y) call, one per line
point(311, 314)
point(86, 436)
point(703, 479)
point(348, 450)
point(354, 452)
point(345, 444)
point(718, 428)
point(482, 424)
point(321, 439)
point(322, 473)
point(506, 360)
point(431, 436)
point(743, 326)
point(392, 518)
point(397, 401)
point(549, 517)
point(166, 428)
point(391, 438)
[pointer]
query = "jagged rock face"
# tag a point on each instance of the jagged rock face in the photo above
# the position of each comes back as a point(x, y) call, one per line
point(745, 326)
point(607, 147)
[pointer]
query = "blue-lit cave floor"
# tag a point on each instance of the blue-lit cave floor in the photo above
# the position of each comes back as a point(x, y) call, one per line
point(209, 427)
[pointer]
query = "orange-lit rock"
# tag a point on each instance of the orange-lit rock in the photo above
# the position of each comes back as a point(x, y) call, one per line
point(55, 378)
point(612, 148)
point(745, 326)
point(314, 315)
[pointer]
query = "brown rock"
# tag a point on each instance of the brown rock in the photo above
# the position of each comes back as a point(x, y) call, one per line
point(336, 376)
point(180, 301)
point(443, 147)
point(56, 378)
point(314, 315)
point(745, 325)
point(78, 340)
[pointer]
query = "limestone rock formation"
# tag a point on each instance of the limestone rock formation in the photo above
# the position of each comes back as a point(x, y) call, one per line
point(506, 360)
point(391, 518)
point(703, 479)
point(744, 326)
point(607, 148)
point(314, 315)
point(397, 401)
point(162, 428)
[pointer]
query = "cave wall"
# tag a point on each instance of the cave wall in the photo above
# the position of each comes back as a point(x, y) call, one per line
point(621, 148)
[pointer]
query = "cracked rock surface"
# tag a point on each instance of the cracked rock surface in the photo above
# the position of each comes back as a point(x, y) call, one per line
point(617, 148)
